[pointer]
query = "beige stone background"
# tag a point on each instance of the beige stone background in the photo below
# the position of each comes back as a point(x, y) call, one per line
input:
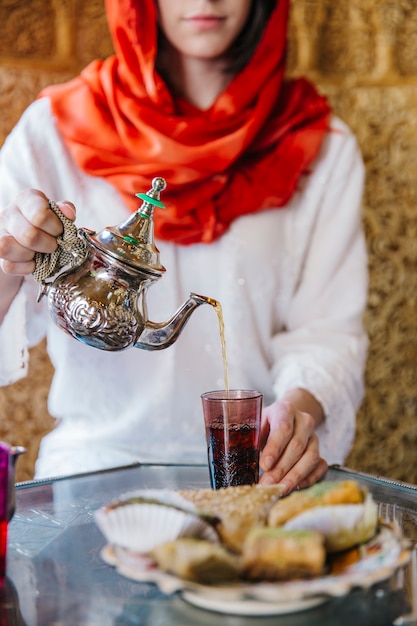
point(363, 55)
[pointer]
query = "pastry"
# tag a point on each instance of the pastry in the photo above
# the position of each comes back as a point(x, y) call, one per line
point(326, 492)
point(280, 554)
point(197, 560)
point(343, 512)
point(239, 509)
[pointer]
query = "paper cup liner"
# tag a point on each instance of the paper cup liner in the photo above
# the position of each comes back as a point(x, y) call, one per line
point(141, 526)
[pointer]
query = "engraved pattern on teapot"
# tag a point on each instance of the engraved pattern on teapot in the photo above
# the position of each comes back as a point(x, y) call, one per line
point(101, 299)
point(99, 304)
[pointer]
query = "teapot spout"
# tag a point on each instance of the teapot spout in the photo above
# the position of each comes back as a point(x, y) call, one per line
point(157, 336)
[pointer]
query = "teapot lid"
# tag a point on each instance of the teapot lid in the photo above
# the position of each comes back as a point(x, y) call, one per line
point(132, 241)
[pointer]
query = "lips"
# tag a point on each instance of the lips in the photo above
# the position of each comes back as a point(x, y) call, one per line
point(204, 16)
point(205, 21)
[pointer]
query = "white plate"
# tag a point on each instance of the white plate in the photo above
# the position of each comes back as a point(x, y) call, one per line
point(249, 607)
point(379, 559)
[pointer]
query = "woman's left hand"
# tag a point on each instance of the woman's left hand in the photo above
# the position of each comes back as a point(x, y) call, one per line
point(290, 454)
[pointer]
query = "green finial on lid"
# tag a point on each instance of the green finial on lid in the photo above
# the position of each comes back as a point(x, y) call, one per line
point(152, 198)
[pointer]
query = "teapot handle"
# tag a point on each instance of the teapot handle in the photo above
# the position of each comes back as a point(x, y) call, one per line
point(70, 253)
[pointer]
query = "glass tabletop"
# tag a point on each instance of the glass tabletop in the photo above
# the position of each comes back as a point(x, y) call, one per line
point(56, 576)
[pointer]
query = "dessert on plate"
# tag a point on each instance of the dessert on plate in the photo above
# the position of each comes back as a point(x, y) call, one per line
point(246, 533)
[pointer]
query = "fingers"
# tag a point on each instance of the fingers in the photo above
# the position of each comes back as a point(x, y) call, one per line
point(305, 472)
point(67, 208)
point(34, 207)
point(17, 268)
point(300, 447)
point(14, 257)
point(278, 425)
point(27, 226)
point(291, 454)
point(315, 475)
point(290, 431)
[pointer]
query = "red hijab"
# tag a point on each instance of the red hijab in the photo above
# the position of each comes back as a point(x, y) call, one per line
point(244, 154)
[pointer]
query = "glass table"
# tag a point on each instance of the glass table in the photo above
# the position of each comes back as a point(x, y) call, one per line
point(55, 574)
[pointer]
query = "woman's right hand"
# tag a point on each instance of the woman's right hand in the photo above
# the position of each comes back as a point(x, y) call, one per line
point(27, 226)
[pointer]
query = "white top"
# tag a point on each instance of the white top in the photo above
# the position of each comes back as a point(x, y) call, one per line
point(292, 284)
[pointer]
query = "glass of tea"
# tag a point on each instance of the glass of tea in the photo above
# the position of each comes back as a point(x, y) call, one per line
point(232, 420)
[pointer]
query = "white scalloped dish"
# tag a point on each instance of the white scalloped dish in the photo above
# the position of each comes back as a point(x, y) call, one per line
point(140, 520)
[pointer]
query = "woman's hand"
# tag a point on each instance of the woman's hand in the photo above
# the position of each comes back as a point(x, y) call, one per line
point(27, 226)
point(290, 453)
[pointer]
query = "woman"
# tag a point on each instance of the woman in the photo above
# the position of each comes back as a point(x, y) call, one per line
point(263, 214)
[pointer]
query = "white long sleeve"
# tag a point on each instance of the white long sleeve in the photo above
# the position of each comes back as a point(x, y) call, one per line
point(292, 283)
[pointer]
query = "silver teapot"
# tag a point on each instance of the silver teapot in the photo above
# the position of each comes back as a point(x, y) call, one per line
point(101, 300)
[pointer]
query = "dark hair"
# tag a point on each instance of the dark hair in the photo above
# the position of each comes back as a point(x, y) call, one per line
point(244, 46)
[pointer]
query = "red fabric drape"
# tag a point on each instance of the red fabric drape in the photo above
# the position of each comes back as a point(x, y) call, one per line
point(244, 154)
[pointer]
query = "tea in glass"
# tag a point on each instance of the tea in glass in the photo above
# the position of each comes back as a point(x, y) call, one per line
point(233, 425)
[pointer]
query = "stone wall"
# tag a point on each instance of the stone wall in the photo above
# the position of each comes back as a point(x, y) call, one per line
point(362, 54)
